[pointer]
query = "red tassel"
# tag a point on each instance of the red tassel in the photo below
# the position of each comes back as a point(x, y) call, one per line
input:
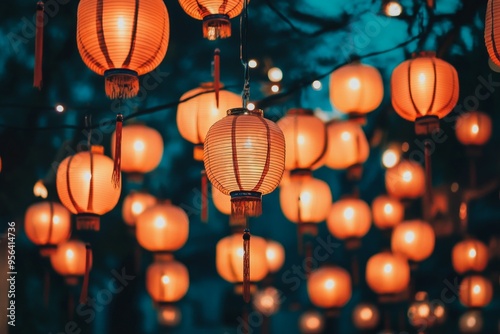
point(204, 196)
point(217, 75)
point(118, 151)
point(85, 285)
point(37, 78)
point(246, 265)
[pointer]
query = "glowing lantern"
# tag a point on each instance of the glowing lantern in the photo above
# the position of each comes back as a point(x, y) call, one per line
point(221, 201)
point(424, 313)
point(475, 291)
point(387, 273)
point(275, 255)
point(134, 204)
point(267, 301)
point(406, 180)
point(365, 316)
point(473, 128)
point(215, 15)
point(387, 212)
point(121, 40)
point(349, 218)
point(423, 90)
point(47, 224)
point(39, 189)
point(471, 322)
point(305, 137)
point(69, 260)
point(413, 239)
point(329, 287)
point(469, 255)
point(311, 322)
point(162, 228)
point(169, 315)
point(356, 89)
point(491, 31)
point(84, 186)
point(167, 281)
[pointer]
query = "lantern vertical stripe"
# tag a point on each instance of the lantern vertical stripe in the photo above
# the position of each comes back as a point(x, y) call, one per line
point(235, 154)
point(100, 33)
point(126, 63)
point(51, 223)
point(268, 156)
point(91, 183)
point(493, 39)
point(76, 207)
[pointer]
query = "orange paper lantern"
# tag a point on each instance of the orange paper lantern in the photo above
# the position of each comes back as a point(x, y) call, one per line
point(347, 145)
point(475, 291)
point(69, 260)
point(275, 255)
point(387, 212)
point(84, 186)
point(329, 287)
point(406, 180)
point(311, 322)
point(122, 39)
point(413, 239)
point(167, 281)
point(134, 204)
point(365, 316)
point(492, 31)
point(469, 255)
point(473, 128)
point(349, 218)
point(387, 273)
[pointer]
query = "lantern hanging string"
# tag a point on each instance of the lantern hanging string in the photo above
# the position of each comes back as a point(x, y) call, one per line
point(88, 126)
point(244, 53)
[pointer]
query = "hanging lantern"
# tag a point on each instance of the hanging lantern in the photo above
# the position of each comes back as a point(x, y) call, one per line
point(365, 316)
point(305, 138)
point(470, 255)
point(311, 322)
point(267, 301)
point(475, 291)
point(215, 15)
point(473, 128)
point(413, 239)
point(423, 90)
point(169, 315)
point(349, 219)
point(69, 260)
point(142, 148)
point(387, 273)
point(134, 204)
point(356, 89)
point(422, 313)
point(197, 115)
point(406, 180)
point(471, 322)
point(84, 186)
point(47, 224)
point(387, 212)
point(275, 255)
point(491, 32)
point(329, 287)
point(122, 39)
point(162, 228)
point(221, 201)
point(167, 281)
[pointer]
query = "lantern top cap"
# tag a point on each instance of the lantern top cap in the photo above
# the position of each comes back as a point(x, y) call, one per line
point(245, 111)
point(97, 149)
point(300, 111)
point(429, 54)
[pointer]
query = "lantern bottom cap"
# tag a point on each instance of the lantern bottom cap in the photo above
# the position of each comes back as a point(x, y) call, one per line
point(198, 152)
point(121, 84)
point(426, 125)
point(88, 221)
point(47, 250)
point(216, 26)
point(246, 204)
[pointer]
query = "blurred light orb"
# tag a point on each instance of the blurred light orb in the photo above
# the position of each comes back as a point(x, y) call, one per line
point(250, 106)
point(390, 158)
point(275, 74)
point(365, 316)
point(311, 322)
point(471, 322)
point(267, 301)
point(60, 108)
point(39, 190)
point(169, 315)
point(393, 9)
point(275, 88)
point(316, 85)
point(252, 63)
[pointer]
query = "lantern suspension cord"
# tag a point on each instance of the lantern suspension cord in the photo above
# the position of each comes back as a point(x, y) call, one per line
point(88, 125)
point(244, 53)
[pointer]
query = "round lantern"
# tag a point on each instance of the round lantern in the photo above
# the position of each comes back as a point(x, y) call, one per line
point(198, 114)
point(167, 281)
point(244, 157)
point(491, 31)
point(311, 322)
point(47, 224)
point(347, 145)
point(473, 128)
point(387, 273)
point(267, 301)
point(275, 255)
point(162, 228)
point(471, 322)
point(406, 180)
point(356, 88)
point(142, 148)
point(365, 316)
point(69, 260)
point(122, 39)
point(134, 204)
point(329, 287)
point(424, 89)
point(215, 15)
point(469, 255)
point(475, 291)
point(169, 315)
point(305, 138)
point(387, 212)
point(221, 201)
point(84, 186)
point(349, 218)
point(413, 239)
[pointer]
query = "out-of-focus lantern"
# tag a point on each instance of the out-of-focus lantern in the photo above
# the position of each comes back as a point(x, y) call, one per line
point(197, 115)
point(475, 291)
point(423, 90)
point(275, 255)
point(69, 260)
point(387, 273)
point(470, 255)
point(122, 39)
point(221, 201)
point(267, 301)
point(424, 314)
point(387, 212)
point(365, 316)
point(492, 31)
point(167, 281)
point(142, 148)
point(39, 189)
point(406, 180)
point(162, 228)
point(305, 138)
point(471, 322)
point(169, 315)
point(47, 224)
point(311, 322)
point(356, 89)
point(84, 186)
point(413, 239)
point(349, 219)
point(329, 287)
point(134, 204)
point(473, 128)
point(215, 15)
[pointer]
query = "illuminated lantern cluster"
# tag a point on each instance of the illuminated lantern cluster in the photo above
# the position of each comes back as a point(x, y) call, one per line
point(473, 128)
point(329, 287)
point(349, 218)
point(134, 204)
point(424, 313)
point(84, 186)
point(69, 260)
point(275, 255)
point(311, 322)
point(167, 281)
point(413, 239)
point(387, 273)
point(387, 212)
point(122, 39)
point(406, 180)
point(475, 291)
point(469, 256)
point(365, 316)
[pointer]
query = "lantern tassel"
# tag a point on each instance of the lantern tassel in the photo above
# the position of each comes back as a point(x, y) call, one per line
point(217, 75)
point(118, 152)
point(246, 265)
point(37, 77)
point(204, 196)
point(85, 285)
